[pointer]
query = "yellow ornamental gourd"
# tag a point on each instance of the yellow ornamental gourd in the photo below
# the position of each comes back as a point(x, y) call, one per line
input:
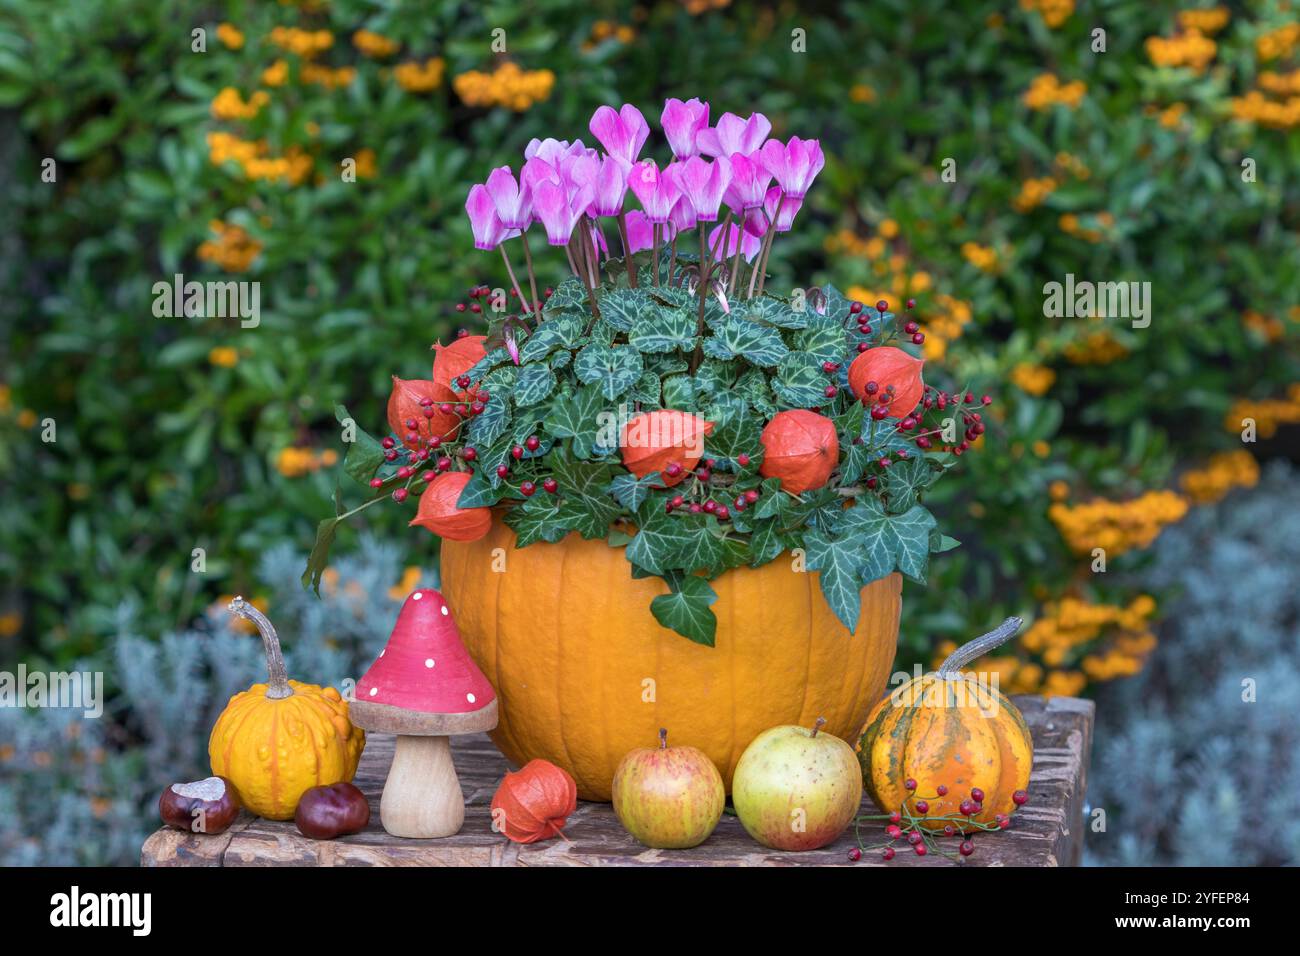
point(277, 740)
point(952, 740)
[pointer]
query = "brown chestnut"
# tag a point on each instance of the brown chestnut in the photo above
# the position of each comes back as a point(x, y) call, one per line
point(203, 806)
point(327, 812)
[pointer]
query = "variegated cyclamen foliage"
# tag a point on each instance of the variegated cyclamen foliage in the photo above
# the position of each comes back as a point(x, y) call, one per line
point(579, 377)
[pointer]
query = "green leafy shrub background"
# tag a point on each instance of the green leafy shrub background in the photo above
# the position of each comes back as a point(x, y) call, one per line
point(165, 445)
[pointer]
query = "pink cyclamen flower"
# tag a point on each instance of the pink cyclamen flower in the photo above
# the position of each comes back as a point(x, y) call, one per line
point(749, 243)
point(795, 165)
point(682, 123)
point(749, 182)
point(683, 216)
point(610, 188)
point(483, 219)
point(640, 231)
point(552, 150)
point(551, 207)
point(776, 205)
point(657, 190)
point(622, 133)
point(514, 201)
point(703, 183)
point(734, 135)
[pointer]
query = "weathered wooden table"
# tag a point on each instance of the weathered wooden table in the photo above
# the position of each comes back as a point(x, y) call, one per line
point(1047, 831)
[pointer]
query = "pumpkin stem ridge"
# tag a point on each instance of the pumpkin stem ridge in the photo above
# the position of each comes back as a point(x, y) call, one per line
point(977, 648)
point(278, 686)
point(663, 738)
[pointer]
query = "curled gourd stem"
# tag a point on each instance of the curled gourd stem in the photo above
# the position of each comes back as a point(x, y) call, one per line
point(278, 686)
point(972, 650)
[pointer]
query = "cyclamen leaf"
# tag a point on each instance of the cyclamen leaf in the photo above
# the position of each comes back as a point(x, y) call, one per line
point(615, 367)
point(485, 428)
point(679, 392)
point(800, 381)
point(625, 309)
point(825, 339)
point(561, 331)
point(685, 609)
point(755, 343)
point(533, 383)
point(664, 330)
point(569, 296)
point(774, 312)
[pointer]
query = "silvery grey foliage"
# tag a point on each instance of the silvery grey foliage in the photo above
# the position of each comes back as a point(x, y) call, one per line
point(84, 792)
point(1190, 773)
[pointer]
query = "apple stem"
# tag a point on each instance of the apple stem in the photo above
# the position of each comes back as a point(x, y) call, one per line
point(663, 738)
point(821, 722)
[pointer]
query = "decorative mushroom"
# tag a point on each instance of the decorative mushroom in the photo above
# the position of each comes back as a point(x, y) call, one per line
point(424, 687)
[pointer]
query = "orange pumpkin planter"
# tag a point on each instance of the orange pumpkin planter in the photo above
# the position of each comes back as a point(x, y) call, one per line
point(584, 673)
point(952, 731)
point(799, 447)
point(534, 803)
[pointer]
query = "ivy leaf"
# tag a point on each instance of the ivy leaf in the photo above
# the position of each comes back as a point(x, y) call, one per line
point(889, 541)
point(904, 480)
point(585, 505)
point(755, 343)
point(771, 502)
point(800, 381)
point(632, 491)
point(766, 543)
point(615, 367)
point(664, 330)
point(625, 309)
point(536, 520)
point(534, 383)
point(856, 459)
point(575, 417)
point(685, 609)
point(657, 542)
point(482, 490)
point(365, 454)
point(487, 427)
point(701, 546)
point(940, 543)
point(737, 433)
point(838, 562)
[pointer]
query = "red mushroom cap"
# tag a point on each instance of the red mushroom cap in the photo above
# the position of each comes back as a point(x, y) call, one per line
point(425, 667)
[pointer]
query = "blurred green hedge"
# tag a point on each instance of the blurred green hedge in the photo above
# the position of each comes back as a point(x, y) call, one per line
point(176, 434)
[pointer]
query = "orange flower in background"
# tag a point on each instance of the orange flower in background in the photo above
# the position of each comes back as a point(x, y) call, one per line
point(888, 368)
point(229, 105)
point(800, 448)
point(1046, 91)
point(420, 77)
point(667, 441)
point(233, 249)
point(230, 36)
point(439, 513)
point(507, 86)
point(374, 45)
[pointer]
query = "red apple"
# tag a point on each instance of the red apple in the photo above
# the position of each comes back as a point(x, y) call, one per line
point(795, 788)
point(669, 798)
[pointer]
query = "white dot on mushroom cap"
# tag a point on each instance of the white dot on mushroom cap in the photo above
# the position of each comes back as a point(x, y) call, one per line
point(428, 662)
point(470, 698)
point(374, 691)
point(417, 595)
point(381, 653)
point(444, 610)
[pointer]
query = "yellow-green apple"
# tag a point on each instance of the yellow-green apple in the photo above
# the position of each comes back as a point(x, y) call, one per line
point(796, 788)
point(669, 797)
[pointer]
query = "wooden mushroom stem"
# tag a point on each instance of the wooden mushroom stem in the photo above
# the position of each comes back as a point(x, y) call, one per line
point(277, 687)
point(422, 797)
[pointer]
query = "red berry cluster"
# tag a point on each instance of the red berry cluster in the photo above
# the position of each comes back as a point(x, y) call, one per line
point(481, 293)
point(698, 495)
point(906, 825)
